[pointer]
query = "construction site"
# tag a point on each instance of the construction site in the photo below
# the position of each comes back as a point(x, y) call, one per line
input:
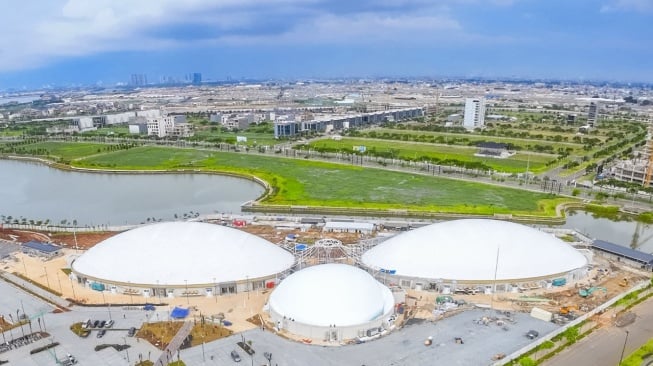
point(639, 168)
point(311, 246)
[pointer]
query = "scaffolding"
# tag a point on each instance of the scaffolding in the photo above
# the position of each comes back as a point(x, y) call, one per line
point(328, 250)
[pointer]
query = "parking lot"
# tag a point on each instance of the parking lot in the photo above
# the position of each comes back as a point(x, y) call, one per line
point(402, 347)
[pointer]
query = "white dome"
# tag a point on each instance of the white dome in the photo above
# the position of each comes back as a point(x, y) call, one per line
point(466, 250)
point(331, 294)
point(176, 253)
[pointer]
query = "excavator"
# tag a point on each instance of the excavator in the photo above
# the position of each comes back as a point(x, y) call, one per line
point(585, 292)
point(565, 310)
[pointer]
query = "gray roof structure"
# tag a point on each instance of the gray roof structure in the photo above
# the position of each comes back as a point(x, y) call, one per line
point(624, 252)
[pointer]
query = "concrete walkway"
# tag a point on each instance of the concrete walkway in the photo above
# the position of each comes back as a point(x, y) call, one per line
point(45, 295)
point(170, 351)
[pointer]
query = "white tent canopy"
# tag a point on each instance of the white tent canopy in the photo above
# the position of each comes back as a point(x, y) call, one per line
point(473, 249)
point(180, 253)
point(331, 294)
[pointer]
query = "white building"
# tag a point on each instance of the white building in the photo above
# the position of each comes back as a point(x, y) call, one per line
point(474, 113)
point(183, 259)
point(593, 114)
point(169, 126)
point(331, 302)
point(160, 126)
point(486, 255)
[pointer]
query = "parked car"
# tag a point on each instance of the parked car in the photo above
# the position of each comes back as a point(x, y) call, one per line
point(235, 356)
point(96, 323)
point(109, 324)
point(131, 332)
point(101, 333)
point(532, 334)
point(86, 323)
point(102, 323)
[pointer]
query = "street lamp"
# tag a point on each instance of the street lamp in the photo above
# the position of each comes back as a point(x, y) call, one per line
point(187, 300)
point(47, 279)
point(108, 305)
point(624, 348)
point(215, 290)
point(158, 290)
point(73, 287)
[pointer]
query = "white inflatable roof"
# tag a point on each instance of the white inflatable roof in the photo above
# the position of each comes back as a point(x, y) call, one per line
point(176, 253)
point(467, 250)
point(331, 294)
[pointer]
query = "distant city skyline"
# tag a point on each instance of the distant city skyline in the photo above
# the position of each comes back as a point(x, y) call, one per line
point(66, 42)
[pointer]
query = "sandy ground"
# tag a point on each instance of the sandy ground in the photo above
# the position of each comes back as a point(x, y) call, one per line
point(236, 308)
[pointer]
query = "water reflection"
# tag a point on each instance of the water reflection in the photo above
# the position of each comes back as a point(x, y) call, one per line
point(626, 232)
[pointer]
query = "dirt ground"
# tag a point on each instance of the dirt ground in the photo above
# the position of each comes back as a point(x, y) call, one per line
point(84, 241)
point(275, 234)
point(66, 240)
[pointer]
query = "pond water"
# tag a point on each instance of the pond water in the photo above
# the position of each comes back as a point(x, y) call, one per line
point(38, 192)
point(627, 233)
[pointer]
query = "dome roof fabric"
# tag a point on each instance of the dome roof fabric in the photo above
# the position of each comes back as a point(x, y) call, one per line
point(180, 253)
point(467, 250)
point(331, 294)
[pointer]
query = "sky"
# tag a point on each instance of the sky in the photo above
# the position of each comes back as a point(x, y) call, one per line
point(67, 42)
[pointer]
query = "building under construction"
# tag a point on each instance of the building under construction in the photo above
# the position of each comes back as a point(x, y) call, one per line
point(640, 169)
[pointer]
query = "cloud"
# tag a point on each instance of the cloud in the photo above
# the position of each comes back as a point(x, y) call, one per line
point(642, 6)
point(363, 28)
point(40, 32)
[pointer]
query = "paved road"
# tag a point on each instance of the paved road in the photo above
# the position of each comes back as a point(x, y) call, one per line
point(603, 347)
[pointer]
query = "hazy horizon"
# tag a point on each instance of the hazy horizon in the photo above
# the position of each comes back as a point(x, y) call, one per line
point(66, 42)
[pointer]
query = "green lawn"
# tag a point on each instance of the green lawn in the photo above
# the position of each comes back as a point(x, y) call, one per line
point(477, 137)
point(419, 151)
point(304, 182)
point(64, 150)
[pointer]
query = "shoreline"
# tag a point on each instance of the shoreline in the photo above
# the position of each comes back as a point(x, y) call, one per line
point(257, 206)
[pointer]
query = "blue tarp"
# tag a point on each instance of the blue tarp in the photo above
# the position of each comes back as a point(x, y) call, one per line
point(149, 307)
point(179, 313)
point(301, 247)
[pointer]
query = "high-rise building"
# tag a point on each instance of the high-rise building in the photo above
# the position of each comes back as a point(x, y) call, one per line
point(593, 114)
point(474, 113)
point(197, 78)
point(138, 80)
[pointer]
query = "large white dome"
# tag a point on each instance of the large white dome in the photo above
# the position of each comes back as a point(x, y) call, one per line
point(466, 250)
point(179, 253)
point(331, 294)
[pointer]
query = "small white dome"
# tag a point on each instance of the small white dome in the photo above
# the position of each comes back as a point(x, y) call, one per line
point(331, 294)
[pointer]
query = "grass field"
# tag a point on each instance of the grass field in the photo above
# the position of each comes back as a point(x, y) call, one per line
point(418, 151)
point(477, 137)
point(64, 150)
point(304, 182)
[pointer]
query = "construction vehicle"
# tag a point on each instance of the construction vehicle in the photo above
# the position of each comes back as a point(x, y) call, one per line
point(585, 292)
point(565, 310)
point(624, 282)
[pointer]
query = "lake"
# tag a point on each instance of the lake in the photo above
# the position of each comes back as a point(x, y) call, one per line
point(38, 192)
